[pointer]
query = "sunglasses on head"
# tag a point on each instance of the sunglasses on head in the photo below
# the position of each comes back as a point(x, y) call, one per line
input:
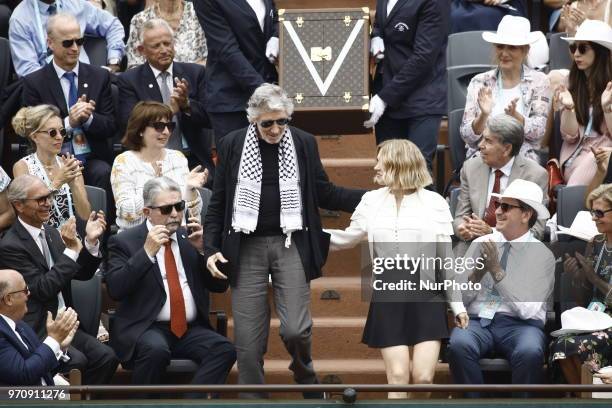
point(268, 123)
point(68, 43)
point(167, 209)
point(160, 126)
point(582, 48)
point(505, 207)
point(54, 132)
point(599, 213)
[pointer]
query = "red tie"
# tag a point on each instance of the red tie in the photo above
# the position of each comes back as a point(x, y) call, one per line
point(178, 317)
point(490, 212)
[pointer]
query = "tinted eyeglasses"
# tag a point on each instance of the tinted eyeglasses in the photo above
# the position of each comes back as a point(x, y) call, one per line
point(25, 291)
point(160, 126)
point(505, 207)
point(280, 122)
point(599, 213)
point(43, 200)
point(582, 48)
point(167, 209)
point(53, 132)
point(68, 43)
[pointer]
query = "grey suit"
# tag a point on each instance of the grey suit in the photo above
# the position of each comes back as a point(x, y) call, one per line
point(475, 183)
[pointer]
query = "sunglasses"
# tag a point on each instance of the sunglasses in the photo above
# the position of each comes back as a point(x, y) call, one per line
point(160, 126)
point(582, 48)
point(599, 213)
point(43, 200)
point(280, 122)
point(68, 43)
point(25, 291)
point(505, 207)
point(53, 132)
point(167, 209)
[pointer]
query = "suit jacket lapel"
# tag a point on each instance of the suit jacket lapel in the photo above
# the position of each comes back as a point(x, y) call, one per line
point(56, 248)
point(517, 169)
point(249, 10)
point(182, 241)
point(30, 246)
point(149, 84)
point(142, 237)
point(482, 179)
point(13, 339)
point(83, 81)
point(299, 151)
point(398, 5)
point(56, 89)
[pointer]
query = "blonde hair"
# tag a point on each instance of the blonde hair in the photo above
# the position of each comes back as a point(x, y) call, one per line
point(31, 118)
point(604, 192)
point(404, 166)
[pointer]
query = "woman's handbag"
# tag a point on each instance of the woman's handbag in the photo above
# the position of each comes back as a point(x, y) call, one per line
point(555, 178)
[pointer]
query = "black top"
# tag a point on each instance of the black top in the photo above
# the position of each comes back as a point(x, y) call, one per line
point(268, 222)
point(608, 178)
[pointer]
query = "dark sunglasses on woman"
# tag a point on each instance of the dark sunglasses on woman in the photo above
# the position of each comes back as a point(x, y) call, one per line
point(599, 213)
point(167, 209)
point(68, 43)
point(268, 123)
point(582, 48)
point(54, 132)
point(160, 126)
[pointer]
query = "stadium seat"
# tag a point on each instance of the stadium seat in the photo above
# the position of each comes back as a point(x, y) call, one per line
point(570, 200)
point(205, 193)
point(97, 198)
point(468, 48)
point(95, 47)
point(87, 302)
point(559, 52)
point(457, 145)
point(459, 78)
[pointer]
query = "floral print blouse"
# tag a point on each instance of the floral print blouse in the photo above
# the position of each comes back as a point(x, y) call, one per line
point(189, 40)
point(537, 97)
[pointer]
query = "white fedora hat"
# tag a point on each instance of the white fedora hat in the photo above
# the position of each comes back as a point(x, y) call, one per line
point(581, 320)
point(594, 31)
point(512, 30)
point(527, 192)
point(583, 227)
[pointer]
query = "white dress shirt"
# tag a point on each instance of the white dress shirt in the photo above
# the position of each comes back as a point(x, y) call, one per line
point(259, 7)
point(503, 181)
point(169, 78)
point(390, 5)
point(190, 307)
point(65, 83)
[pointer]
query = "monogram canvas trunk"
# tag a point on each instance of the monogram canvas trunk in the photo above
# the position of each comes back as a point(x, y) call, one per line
point(324, 67)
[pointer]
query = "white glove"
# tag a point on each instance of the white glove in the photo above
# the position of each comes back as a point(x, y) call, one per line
point(377, 108)
point(272, 49)
point(377, 48)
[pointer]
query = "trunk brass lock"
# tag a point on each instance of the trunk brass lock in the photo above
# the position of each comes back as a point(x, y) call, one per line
point(319, 54)
point(347, 97)
point(347, 20)
point(299, 21)
point(299, 97)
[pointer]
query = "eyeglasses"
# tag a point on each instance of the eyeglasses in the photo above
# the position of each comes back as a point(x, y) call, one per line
point(599, 213)
point(582, 48)
point(167, 209)
point(505, 207)
point(68, 43)
point(53, 132)
point(160, 126)
point(43, 200)
point(280, 122)
point(25, 291)
point(504, 46)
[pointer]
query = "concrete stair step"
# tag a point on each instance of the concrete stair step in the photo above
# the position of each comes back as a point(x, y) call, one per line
point(331, 337)
point(330, 297)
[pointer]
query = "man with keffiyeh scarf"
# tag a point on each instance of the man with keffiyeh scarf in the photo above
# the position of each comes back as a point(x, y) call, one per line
point(263, 220)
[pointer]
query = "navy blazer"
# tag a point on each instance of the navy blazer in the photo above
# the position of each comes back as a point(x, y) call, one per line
point(136, 282)
point(139, 84)
point(18, 251)
point(317, 191)
point(236, 63)
point(411, 78)
point(20, 365)
point(43, 86)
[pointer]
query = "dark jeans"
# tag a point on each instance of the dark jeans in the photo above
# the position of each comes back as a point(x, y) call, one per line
point(225, 122)
point(420, 130)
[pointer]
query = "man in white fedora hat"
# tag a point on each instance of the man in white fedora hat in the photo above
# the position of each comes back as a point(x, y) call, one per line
point(507, 308)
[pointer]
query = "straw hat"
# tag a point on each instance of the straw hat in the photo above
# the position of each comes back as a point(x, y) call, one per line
point(527, 192)
point(594, 31)
point(512, 30)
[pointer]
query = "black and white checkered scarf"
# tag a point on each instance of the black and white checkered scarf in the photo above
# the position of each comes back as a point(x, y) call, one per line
point(248, 188)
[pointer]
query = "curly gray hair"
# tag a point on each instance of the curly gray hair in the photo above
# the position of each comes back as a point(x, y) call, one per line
point(268, 98)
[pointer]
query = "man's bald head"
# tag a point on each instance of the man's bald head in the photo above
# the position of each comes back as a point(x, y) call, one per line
point(9, 279)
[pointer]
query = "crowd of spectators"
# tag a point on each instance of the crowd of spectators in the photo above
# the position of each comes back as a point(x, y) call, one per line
point(198, 78)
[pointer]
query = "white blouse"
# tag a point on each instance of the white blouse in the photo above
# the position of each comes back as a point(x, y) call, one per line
point(423, 217)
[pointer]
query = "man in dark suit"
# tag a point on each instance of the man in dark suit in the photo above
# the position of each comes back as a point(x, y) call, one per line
point(409, 39)
point(49, 259)
point(27, 360)
point(242, 40)
point(158, 275)
point(179, 85)
point(82, 93)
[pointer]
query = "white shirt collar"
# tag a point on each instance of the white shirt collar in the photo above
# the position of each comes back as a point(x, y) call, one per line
point(506, 168)
point(156, 71)
point(60, 71)
point(9, 321)
point(33, 231)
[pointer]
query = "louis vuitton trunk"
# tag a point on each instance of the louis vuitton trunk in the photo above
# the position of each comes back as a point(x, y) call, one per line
point(323, 66)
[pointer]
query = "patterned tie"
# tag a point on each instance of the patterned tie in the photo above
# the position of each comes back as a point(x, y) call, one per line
point(72, 92)
point(490, 212)
point(503, 262)
point(163, 87)
point(178, 316)
point(175, 141)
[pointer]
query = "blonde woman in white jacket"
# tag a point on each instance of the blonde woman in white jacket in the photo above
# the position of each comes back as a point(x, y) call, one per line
point(403, 214)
